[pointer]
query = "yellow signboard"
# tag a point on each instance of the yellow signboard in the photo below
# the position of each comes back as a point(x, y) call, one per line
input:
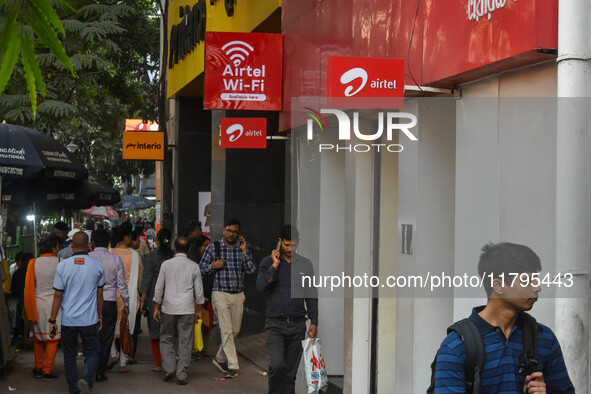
point(187, 22)
point(143, 145)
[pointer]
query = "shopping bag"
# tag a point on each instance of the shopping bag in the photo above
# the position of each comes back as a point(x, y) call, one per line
point(198, 337)
point(125, 337)
point(6, 275)
point(316, 377)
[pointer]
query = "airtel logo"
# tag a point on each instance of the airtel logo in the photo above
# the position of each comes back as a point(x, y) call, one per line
point(234, 128)
point(350, 76)
point(359, 73)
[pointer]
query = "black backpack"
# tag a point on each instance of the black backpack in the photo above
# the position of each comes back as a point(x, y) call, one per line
point(209, 278)
point(474, 345)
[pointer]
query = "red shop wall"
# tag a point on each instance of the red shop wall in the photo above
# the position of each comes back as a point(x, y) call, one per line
point(447, 48)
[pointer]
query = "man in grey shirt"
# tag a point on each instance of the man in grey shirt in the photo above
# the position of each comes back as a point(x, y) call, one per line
point(178, 288)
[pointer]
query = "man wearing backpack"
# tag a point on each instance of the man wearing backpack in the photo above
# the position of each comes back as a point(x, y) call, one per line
point(230, 265)
point(500, 348)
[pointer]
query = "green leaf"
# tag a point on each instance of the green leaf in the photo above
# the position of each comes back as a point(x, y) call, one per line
point(49, 37)
point(10, 27)
point(10, 57)
point(44, 8)
point(28, 52)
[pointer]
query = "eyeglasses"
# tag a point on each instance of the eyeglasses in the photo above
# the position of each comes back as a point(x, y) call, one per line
point(231, 231)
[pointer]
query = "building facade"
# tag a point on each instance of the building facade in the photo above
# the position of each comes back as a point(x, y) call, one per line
point(501, 155)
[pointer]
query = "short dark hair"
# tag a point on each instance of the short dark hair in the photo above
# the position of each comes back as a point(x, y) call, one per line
point(506, 258)
point(182, 245)
point(89, 225)
point(136, 233)
point(48, 243)
point(233, 222)
point(193, 224)
point(100, 238)
point(62, 226)
point(120, 232)
point(290, 233)
point(80, 240)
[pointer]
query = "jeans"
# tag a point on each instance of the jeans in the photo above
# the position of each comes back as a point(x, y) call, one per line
point(284, 341)
point(90, 346)
point(106, 334)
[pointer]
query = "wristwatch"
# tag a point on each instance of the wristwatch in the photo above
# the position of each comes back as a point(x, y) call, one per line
point(52, 321)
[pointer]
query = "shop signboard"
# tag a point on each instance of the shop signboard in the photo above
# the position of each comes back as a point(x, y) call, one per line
point(243, 71)
point(142, 141)
point(244, 133)
point(363, 82)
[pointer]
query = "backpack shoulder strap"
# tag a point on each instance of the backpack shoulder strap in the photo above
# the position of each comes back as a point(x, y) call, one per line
point(217, 249)
point(529, 357)
point(474, 345)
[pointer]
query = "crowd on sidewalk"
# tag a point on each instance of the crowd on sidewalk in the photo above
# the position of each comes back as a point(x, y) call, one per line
point(97, 284)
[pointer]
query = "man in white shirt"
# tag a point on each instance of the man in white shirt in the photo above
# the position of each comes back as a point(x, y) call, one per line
point(178, 288)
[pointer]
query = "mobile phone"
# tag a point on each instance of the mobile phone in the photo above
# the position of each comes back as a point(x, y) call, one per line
point(53, 331)
point(278, 247)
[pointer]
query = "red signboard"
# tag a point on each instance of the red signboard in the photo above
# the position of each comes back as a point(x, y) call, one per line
point(243, 71)
point(365, 82)
point(244, 133)
point(485, 37)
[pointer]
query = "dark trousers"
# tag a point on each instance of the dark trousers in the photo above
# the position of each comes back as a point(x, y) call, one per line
point(284, 341)
point(90, 347)
point(106, 334)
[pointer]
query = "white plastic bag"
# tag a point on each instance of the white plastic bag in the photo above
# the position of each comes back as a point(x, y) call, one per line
point(316, 377)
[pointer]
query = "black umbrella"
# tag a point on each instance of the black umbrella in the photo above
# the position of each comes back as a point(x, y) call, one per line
point(103, 193)
point(45, 193)
point(59, 194)
point(28, 153)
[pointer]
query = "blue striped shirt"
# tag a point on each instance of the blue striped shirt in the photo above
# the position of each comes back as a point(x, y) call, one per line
point(229, 279)
point(501, 365)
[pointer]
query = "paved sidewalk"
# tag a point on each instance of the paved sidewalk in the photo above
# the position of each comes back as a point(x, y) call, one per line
point(202, 376)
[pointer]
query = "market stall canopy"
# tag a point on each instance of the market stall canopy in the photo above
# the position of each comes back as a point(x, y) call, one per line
point(28, 153)
point(134, 202)
point(106, 212)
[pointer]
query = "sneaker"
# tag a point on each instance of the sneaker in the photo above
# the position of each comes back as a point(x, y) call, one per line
point(196, 356)
point(101, 378)
point(37, 373)
point(232, 373)
point(222, 366)
point(84, 387)
point(124, 370)
point(157, 369)
point(49, 376)
point(112, 362)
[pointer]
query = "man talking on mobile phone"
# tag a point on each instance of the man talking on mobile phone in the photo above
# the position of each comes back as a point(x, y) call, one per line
point(231, 260)
point(279, 278)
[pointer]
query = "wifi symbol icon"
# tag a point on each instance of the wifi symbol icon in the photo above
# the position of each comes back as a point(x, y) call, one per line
point(237, 51)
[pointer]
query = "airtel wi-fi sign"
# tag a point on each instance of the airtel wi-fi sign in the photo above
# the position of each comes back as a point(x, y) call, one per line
point(244, 133)
point(243, 71)
point(365, 82)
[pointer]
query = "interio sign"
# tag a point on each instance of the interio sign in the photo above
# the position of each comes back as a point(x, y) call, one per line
point(142, 145)
point(245, 133)
point(365, 82)
point(243, 71)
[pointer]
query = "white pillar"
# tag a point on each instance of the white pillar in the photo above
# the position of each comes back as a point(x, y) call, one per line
point(573, 188)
